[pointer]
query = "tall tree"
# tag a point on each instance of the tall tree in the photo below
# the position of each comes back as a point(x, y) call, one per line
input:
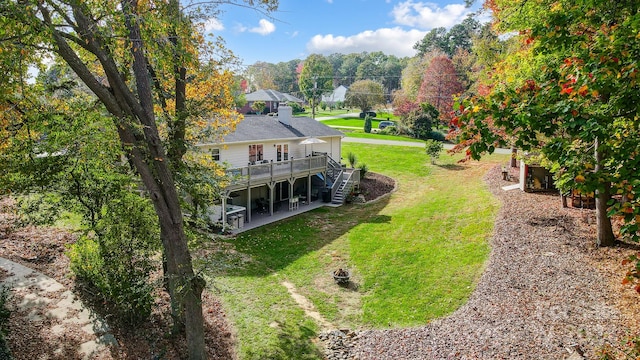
point(434, 40)
point(439, 86)
point(136, 58)
point(316, 79)
point(413, 73)
point(571, 93)
point(364, 94)
point(458, 37)
point(262, 76)
point(349, 68)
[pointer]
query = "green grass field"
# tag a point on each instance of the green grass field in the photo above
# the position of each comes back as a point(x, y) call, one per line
point(414, 256)
point(380, 114)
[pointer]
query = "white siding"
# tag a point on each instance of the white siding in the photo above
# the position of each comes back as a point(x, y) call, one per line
point(237, 155)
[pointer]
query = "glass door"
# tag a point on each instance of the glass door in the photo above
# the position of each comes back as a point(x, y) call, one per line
point(282, 152)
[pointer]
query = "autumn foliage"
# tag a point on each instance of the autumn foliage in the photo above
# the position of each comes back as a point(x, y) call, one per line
point(439, 86)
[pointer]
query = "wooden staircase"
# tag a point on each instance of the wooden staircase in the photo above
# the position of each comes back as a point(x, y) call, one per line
point(341, 195)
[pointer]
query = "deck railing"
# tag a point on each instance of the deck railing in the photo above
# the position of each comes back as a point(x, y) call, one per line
point(265, 172)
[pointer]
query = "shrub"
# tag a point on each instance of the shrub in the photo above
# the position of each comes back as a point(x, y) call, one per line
point(38, 209)
point(258, 106)
point(117, 260)
point(352, 159)
point(437, 135)
point(364, 169)
point(433, 149)
point(367, 124)
point(295, 107)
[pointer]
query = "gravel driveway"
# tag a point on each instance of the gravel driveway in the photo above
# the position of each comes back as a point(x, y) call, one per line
point(543, 295)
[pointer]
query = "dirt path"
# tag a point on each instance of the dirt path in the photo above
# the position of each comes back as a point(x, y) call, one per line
point(307, 306)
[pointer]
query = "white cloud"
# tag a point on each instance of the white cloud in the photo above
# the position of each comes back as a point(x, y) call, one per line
point(391, 41)
point(213, 24)
point(428, 15)
point(264, 27)
point(239, 28)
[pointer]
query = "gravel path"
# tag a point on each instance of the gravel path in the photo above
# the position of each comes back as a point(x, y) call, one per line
point(542, 295)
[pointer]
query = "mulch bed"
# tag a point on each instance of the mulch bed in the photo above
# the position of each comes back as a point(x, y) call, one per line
point(374, 185)
point(547, 291)
point(43, 249)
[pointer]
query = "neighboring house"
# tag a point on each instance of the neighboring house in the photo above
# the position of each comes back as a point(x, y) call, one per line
point(271, 99)
point(278, 160)
point(338, 94)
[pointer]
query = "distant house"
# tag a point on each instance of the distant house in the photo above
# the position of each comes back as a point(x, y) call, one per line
point(271, 99)
point(338, 94)
point(281, 159)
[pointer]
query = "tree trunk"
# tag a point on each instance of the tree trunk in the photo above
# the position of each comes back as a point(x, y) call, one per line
point(604, 230)
point(185, 288)
point(135, 123)
point(514, 154)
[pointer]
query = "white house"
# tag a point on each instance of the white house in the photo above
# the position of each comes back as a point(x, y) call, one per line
point(338, 94)
point(280, 160)
point(271, 98)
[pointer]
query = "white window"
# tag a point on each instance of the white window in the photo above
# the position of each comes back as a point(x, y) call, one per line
point(256, 153)
point(282, 152)
point(215, 154)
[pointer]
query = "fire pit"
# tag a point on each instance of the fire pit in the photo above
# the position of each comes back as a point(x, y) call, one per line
point(341, 276)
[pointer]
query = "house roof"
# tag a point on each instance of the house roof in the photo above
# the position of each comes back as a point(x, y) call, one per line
point(262, 127)
point(271, 95)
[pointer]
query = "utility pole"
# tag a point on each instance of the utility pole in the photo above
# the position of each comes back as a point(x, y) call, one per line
point(313, 97)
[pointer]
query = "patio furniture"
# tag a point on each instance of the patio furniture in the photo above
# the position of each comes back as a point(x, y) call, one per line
point(261, 205)
point(293, 203)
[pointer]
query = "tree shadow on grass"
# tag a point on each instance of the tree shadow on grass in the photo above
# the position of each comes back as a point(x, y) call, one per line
point(297, 341)
point(271, 248)
point(452, 167)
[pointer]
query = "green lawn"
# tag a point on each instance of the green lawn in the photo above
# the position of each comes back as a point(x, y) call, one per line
point(337, 112)
point(351, 122)
point(414, 256)
point(363, 135)
point(354, 127)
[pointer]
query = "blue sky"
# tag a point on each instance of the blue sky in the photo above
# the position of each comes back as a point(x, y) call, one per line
point(303, 27)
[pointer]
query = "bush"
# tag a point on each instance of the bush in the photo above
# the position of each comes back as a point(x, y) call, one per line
point(38, 209)
point(364, 169)
point(367, 124)
point(295, 107)
point(437, 135)
point(117, 260)
point(433, 149)
point(351, 157)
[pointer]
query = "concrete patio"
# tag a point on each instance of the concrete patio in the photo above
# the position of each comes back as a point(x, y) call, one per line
point(260, 219)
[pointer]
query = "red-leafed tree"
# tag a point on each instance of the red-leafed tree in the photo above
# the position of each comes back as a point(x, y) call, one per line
point(440, 84)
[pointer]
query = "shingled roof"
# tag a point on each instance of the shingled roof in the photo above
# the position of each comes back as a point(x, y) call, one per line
point(264, 128)
point(271, 95)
